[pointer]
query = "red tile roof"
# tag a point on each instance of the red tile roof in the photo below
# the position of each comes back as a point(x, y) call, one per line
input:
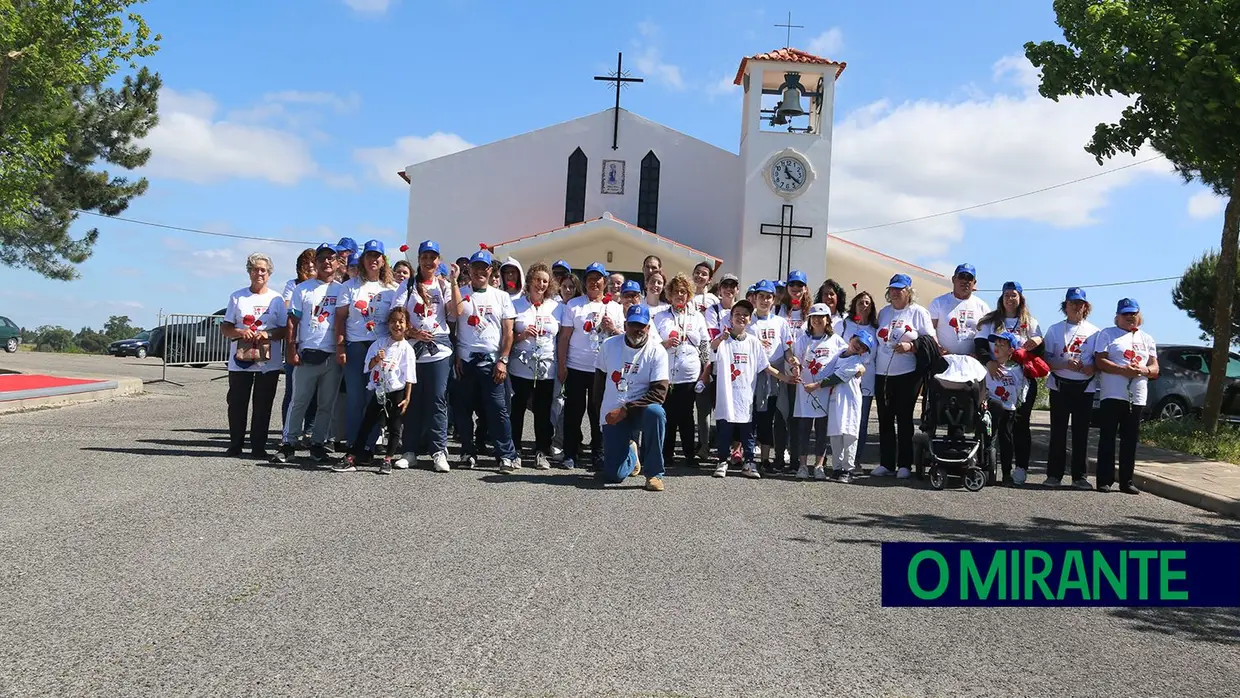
point(789, 55)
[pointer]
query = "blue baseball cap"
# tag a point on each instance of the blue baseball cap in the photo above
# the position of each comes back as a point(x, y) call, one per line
point(764, 286)
point(326, 246)
point(638, 313)
point(481, 257)
point(900, 281)
point(751, 290)
point(780, 283)
point(596, 268)
point(630, 287)
point(559, 263)
point(796, 276)
point(865, 337)
point(1013, 286)
point(965, 268)
point(428, 246)
point(348, 245)
point(1007, 336)
point(1127, 305)
point(1074, 294)
point(374, 246)
point(443, 269)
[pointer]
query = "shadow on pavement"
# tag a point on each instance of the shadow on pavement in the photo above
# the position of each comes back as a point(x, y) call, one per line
point(1213, 625)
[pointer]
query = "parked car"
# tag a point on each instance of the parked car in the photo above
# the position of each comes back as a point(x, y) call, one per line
point(138, 346)
point(1180, 390)
point(195, 343)
point(10, 334)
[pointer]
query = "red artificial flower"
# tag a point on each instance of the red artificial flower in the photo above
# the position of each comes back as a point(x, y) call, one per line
point(883, 333)
point(370, 326)
point(588, 326)
point(615, 377)
point(1130, 355)
point(673, 334)
point(404, 248)
point(473, 320)
point(796, 302)
point(908, 328)
point(607, 298)
point(360, 305)
point(857, 319)
point(247, 320)
point(420, 309)
point(375, 376)
point(955, 325)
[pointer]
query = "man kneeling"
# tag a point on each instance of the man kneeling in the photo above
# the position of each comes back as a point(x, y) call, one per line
point(632, 376)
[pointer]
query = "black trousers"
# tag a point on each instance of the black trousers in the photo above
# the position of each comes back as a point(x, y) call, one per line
point(679, 409)
point(1005, 428)
point(897, 398)
point(241, 384)
point(529, 394)
point(1022, 437)
point(389, 412)
point(1069, 403)
point(579, 398)
point(1122, 418)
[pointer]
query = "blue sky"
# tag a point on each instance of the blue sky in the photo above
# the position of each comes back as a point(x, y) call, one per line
point(288, 119)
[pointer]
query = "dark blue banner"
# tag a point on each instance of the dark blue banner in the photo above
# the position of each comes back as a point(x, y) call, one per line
point(1061, 574)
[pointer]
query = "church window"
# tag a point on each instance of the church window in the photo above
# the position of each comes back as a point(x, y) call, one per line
point(575, 190)
point(648, 194)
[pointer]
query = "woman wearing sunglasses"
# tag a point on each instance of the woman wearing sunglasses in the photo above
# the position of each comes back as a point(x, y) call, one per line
point(1127, 359)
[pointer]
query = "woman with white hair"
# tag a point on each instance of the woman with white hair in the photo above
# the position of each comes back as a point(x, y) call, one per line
point(255, 320)
point(896, 384)
point(1127, 358)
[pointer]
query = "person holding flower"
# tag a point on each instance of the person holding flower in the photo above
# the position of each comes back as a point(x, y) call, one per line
point(585, 323)
point(533, 371)
point(1012, 316)
point(1127, 359)
point(897, 385)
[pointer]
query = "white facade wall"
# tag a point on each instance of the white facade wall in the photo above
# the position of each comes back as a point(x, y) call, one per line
point(515, 187)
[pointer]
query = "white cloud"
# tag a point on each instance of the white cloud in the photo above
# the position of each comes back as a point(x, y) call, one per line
point(828, 43)
point(385, 162)
point(723, 86)
point(900, 161)
point(375, 7)
point(191, 144)
point(649, 60)
point(1205, 205)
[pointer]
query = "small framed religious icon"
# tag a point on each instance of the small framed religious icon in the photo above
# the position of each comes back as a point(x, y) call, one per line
point(613, 177)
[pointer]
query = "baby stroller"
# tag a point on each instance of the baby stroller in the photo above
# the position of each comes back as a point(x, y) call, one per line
point(955, 439)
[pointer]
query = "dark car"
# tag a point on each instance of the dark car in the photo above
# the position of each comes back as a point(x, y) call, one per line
point(138, 346)
point(195, 343)
point(10, 334)
point(1180, 391)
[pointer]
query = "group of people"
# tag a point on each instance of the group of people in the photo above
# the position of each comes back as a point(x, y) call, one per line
point(780, 378)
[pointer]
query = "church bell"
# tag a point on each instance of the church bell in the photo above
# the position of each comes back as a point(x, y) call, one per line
point(790, 103)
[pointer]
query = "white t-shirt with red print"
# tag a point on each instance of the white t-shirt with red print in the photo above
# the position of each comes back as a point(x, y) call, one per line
point(368, 304)
point(772, 332)
point(737, 365)
point(586, 318)
point(1065, 341)
point(815, 353)
point(795, 318)
point(718, 319)
point(895, 326)
point(1024, 331)
point(1123, 347)
point(314, 306)
point(261, 312)
point(1009, 388)
point(431, 316)
point(629, 371)
point(398, 368)
point(534, 358)
point(957, 321)
point(480, 327)
point(703, 301)
point(685, 360)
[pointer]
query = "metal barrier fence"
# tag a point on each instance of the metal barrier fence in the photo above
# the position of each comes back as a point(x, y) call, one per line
point(190, 340)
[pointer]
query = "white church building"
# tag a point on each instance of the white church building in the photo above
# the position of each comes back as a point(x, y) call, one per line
point(614, 187)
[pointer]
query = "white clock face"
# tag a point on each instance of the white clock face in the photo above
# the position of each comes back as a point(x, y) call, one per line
point(788, 174)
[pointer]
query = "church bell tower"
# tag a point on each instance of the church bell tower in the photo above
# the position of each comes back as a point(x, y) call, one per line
point(786, 156)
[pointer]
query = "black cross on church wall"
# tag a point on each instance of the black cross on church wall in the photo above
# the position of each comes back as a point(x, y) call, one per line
point(786, 231)
point(621, 78)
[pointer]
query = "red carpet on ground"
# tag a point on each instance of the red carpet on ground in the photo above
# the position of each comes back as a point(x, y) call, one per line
point(24, 381)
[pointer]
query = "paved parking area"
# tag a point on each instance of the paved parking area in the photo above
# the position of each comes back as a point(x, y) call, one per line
point(136, 560)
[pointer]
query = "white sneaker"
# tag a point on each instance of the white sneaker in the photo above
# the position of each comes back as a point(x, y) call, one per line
point(751, 471)
point(721, 470)
point(541, 462)
point(903, 474)
point(557, 452)
point(439, 462)
point(880, 471)
point(803, 472)
point(508, 465)
point(820, 473)
point(1018, 476)
point(401, 463)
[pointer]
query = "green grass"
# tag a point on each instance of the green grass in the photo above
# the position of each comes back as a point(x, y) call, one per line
point(1188, 437)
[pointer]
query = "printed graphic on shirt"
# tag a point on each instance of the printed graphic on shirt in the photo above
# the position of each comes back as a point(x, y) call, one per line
point(894, 331)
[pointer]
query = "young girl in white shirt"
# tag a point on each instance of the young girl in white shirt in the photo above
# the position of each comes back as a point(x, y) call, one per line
point(845, 375)
point(1007, 388)
point(815, 348)
point(391, 366)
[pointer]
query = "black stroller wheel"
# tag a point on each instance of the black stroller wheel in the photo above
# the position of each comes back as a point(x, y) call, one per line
point(974, 479)
point(937, 477)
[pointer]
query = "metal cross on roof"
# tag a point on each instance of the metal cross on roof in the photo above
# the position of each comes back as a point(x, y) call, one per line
point(621, 78)
point(790, 26)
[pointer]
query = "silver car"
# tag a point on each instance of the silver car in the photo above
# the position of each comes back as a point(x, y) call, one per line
point(1180, 390)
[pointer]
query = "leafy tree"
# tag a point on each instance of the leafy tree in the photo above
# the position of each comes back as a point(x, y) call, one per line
point(1196, 292)
point(57, 120)
point(52, 338)
point(118, 327)
point(92, 342)
point(1180, 63)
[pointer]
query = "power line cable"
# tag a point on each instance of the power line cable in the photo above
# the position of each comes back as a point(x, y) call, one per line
point(197, 231)
point(1088, 286)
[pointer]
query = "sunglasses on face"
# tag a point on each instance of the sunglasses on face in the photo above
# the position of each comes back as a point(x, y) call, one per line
point(260, 270)
point(1128, 316)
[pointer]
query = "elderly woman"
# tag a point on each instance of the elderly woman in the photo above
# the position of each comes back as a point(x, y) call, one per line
point(1070, 355)
point(535, 328)
point(687, 343)
point(1127, 359)
point(255, 320)
point(361, 318)
point(305, 270)
point(1012, 315)
point(896, 383)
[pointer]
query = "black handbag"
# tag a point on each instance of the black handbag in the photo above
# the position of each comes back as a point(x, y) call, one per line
point(314, 357)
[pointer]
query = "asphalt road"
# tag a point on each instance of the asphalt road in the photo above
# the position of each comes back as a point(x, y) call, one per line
point(136, 560)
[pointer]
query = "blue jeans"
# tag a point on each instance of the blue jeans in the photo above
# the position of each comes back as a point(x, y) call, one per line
point(729, 432)
point(866, 402)
point(477, 390)
point(356, 395)
point(288, 400)
point(645, 425)
point(426, 419)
